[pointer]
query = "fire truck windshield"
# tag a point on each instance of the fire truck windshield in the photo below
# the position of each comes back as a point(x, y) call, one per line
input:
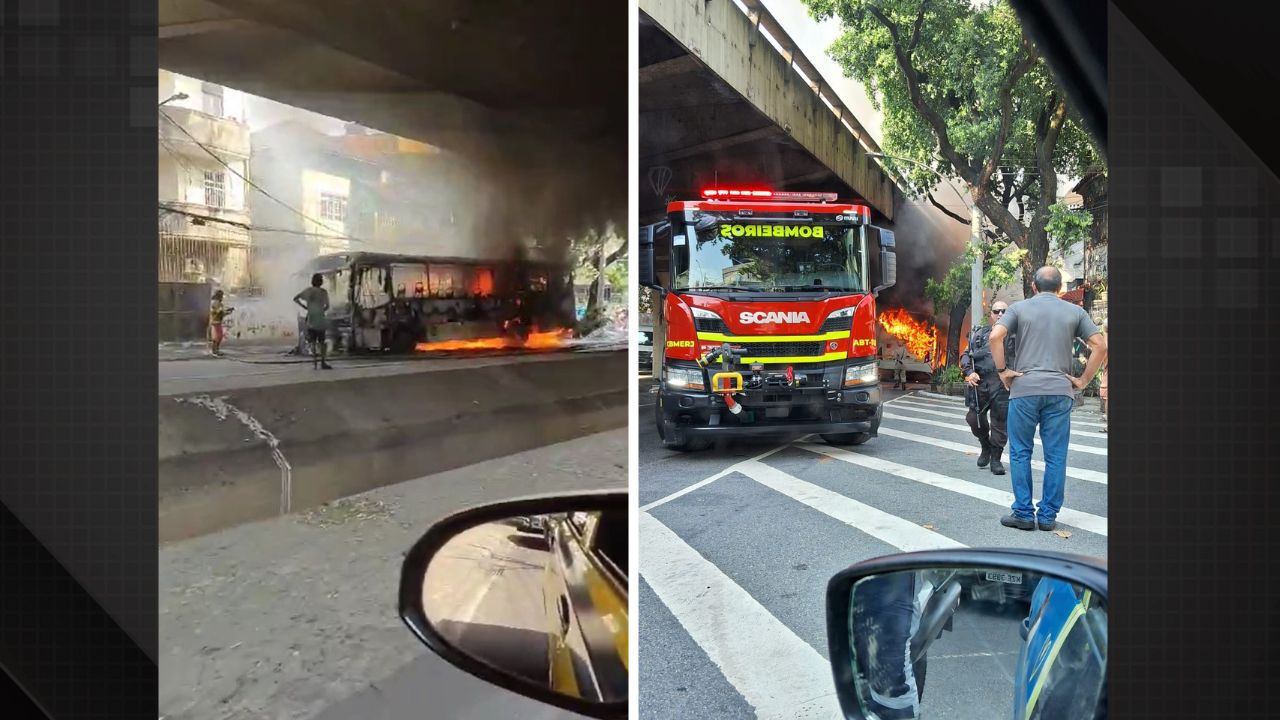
point(768, 257)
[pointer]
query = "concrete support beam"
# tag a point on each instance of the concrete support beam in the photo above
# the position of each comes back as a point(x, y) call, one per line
point(715, 145)
point(720, 36)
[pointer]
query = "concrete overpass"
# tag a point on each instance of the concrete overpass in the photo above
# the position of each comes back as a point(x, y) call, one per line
point(720, 103)
point(524, 84)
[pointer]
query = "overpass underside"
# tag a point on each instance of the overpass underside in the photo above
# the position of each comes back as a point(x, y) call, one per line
point(719, 105)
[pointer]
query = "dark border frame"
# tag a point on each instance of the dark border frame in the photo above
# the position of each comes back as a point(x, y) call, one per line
point(414, 569)
point(1087, 571)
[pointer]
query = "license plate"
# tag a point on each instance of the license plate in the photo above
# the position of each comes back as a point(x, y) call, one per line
point(1005, 578)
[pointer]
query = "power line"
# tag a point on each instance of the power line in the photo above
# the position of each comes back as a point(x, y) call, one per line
point(259, 228)
point(254, 185)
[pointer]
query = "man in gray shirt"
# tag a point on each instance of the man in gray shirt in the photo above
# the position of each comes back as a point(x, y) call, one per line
point(1042, 391)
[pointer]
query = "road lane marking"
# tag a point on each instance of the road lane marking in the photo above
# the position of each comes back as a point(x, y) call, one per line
point(952, 426)
point(949, 398)
point(891, 529)
point(731, 469)
point(961, 412)
point(1075, 518)
point(1077, 473)
point(776, 672)
point(1074, 431)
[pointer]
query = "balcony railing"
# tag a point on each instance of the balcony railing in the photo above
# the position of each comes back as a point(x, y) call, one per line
point(227, 138)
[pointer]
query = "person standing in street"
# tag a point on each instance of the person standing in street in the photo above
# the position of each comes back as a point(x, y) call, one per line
point(986, 396)
point(1042, 391)
point(315, 301)
point(900, 367)
point(217, 316)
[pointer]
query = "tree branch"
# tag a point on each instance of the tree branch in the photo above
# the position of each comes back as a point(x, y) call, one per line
point(915, 32)
point(956, 216)
point(939, 126)
point(1006, 112)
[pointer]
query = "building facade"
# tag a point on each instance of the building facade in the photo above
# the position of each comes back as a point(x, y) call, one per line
point(203, 155)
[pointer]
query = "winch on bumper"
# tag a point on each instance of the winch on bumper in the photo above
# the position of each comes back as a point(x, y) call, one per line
point(688, 418)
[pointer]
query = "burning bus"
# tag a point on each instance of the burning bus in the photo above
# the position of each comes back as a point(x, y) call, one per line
point(382, 302)
point(896, 326)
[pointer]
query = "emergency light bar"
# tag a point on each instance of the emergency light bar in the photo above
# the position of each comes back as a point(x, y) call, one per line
point(725, 193)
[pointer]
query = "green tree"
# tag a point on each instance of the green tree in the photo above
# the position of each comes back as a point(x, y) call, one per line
point(1066, 227)
point(951, 295)
point(965, 92)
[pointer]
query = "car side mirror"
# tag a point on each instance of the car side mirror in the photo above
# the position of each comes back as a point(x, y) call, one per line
point(1002, 628)
point(531, 596)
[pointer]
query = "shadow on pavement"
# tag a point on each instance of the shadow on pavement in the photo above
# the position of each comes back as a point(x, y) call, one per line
point(515, 651)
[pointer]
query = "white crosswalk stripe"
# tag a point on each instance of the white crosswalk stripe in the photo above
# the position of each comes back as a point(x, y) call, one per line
point(929, 409)
point(765, 646)
point(1082, 520)
point(1077, 473)
point(1092, 450)
point(775, 671)
point(902, 534)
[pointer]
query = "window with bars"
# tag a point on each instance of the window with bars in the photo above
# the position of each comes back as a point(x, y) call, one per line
point(213, 101)
point(333, 207)
point(215, 188)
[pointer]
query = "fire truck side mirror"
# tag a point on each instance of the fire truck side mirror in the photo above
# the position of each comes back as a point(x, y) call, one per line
point(888, 271)
point(647, 272)
point(888, 260)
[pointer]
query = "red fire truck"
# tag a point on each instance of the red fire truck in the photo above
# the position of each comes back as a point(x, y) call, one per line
point(768, 317)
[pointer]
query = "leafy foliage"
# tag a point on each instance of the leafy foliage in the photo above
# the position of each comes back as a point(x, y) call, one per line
point(948, 375)
point(1066, 227)
point(965, 93)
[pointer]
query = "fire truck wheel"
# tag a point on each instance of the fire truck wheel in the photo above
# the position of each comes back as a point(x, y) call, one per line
point(674, 437)
point(853, 438)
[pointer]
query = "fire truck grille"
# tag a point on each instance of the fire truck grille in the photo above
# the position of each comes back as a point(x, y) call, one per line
point(834, 324)
point(782, 349)
point(710, 325)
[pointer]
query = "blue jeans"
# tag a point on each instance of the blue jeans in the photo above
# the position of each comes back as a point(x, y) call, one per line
point(1053, 414)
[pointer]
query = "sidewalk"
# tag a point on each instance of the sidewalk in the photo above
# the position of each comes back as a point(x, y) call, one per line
point(257, 348)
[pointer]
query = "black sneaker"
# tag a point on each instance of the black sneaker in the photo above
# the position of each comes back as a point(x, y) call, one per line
point(1046, 526)
point(997, 467)
point(326, 366)
point(1013, 521)
point(984, 457)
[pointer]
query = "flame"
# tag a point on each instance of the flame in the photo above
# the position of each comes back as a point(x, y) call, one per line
point(536, 341)
point(920, 337)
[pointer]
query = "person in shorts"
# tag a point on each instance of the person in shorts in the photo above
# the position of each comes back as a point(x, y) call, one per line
point(315, 301)
point(217, 316)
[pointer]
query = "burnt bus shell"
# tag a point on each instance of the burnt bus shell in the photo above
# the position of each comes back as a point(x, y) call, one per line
point(519, 294)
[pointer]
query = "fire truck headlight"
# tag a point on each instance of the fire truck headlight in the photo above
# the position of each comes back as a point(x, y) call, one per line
point(863, 374)
point(842, 312)
point(686, 378)
point(707, 314)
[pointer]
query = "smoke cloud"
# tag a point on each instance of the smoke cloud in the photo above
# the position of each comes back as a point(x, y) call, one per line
point(928, 243)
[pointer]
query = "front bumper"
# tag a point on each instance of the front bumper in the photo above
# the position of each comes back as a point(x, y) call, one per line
point(774, 410)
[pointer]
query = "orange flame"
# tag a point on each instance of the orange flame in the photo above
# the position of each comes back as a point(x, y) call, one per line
point(919, 336)
point(536, 341)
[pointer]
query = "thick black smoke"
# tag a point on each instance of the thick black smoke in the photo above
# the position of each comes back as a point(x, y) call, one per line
point(928, 243)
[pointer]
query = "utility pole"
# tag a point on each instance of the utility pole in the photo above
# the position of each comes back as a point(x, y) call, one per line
point(975, 282)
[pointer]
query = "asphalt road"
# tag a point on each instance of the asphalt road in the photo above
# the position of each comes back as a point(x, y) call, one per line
point(738, 542)
point(295, 618)
point(483, 591)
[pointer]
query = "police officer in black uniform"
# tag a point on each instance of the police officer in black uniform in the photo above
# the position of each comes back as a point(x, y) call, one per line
point(986, 396)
